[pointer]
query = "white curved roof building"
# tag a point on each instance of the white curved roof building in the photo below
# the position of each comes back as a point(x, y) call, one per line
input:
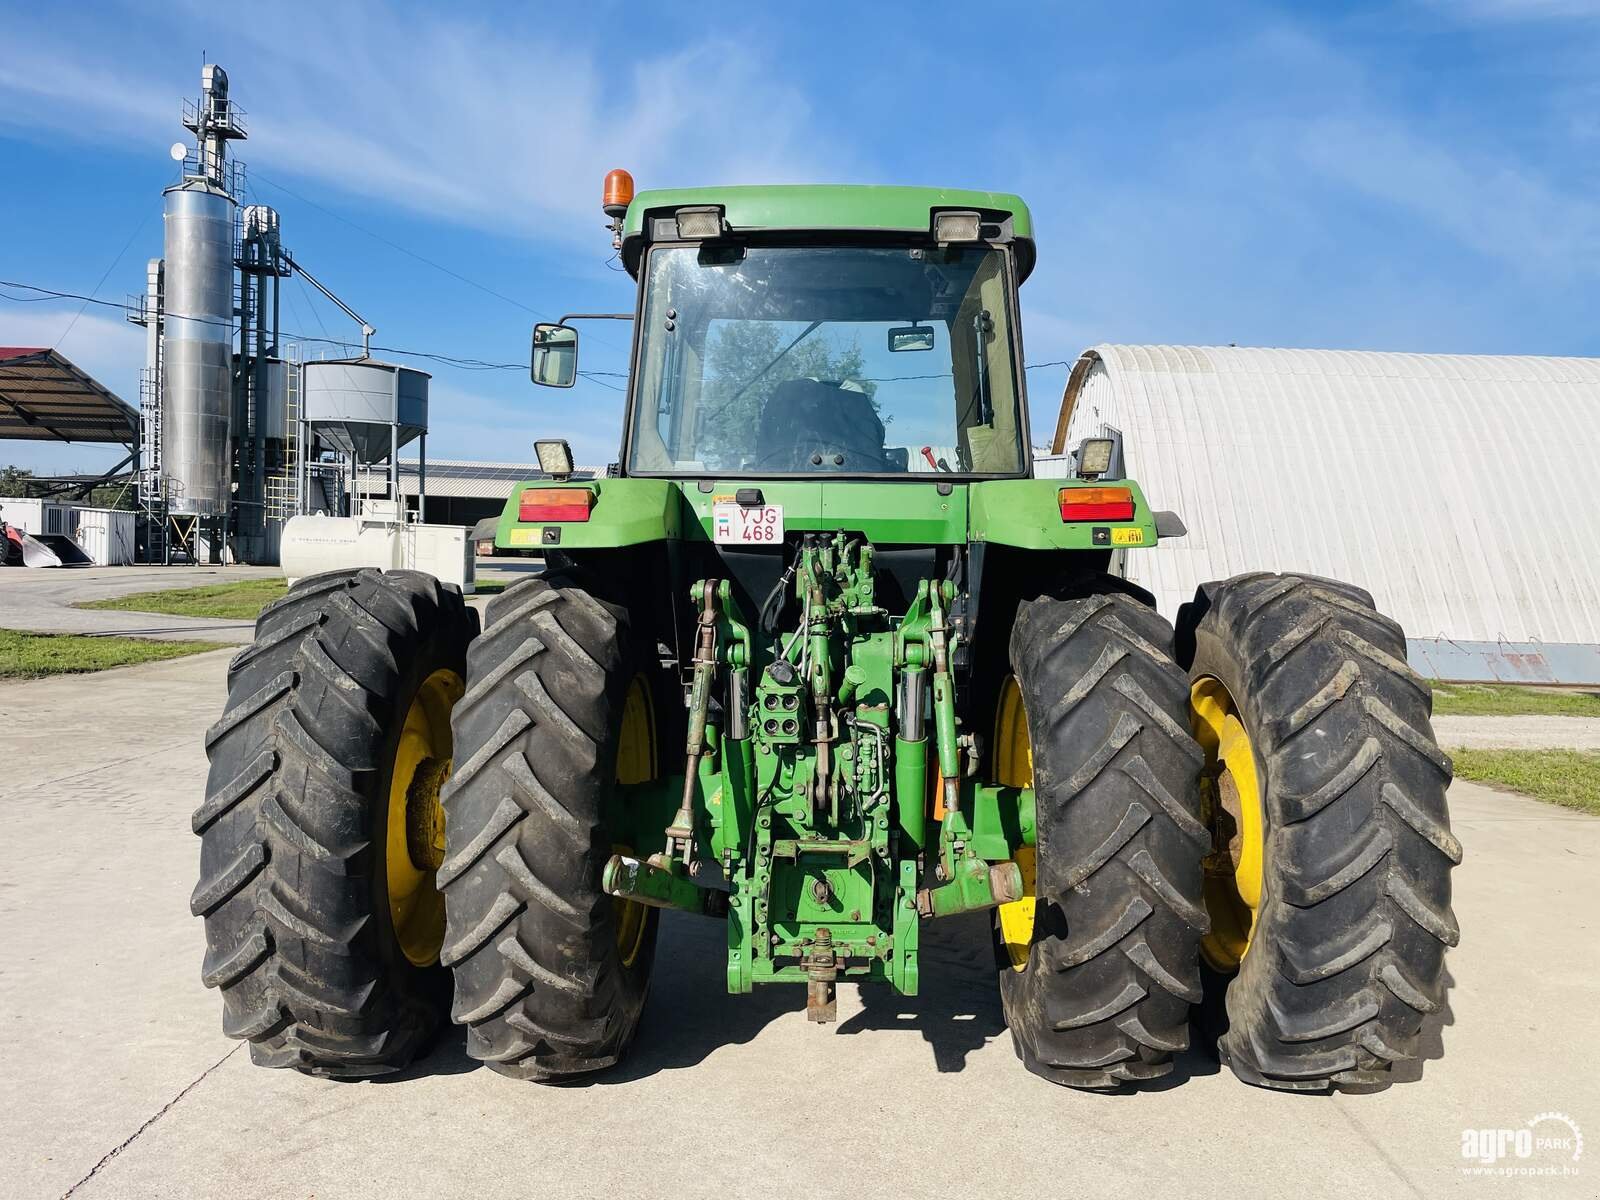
point(1463, 491)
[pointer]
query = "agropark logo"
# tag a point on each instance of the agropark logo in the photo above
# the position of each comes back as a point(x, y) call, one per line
point(1548, 1144)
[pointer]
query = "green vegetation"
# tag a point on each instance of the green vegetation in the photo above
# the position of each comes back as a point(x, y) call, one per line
point(35, 655)
point(14, 480)
point(1508, 700)
point(242, 601)
point(1570, 778)
point(490, 587)
point(19, 481)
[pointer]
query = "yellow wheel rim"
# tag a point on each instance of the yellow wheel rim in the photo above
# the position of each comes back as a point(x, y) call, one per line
point(414, 846)
point(1013, 767)
point(1230, 806)
point(636, 763)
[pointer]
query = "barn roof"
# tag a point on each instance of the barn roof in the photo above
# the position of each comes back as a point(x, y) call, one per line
point(1458, 489)
point(44, 397)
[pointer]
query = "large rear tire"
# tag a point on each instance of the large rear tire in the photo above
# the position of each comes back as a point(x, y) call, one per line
point(322, 921)
point(1329, 879)
point(550, 972)
point(1098, 968)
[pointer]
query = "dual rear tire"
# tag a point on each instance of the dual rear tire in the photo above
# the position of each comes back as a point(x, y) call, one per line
point(339, 905)
point(1247, 816)
point(319, 830)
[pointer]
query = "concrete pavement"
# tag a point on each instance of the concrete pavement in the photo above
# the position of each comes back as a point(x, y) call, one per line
point(41, 601)
point(1518, 733)
point(121, 1084)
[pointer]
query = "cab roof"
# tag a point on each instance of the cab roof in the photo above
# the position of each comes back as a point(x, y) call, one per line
point(813, 208)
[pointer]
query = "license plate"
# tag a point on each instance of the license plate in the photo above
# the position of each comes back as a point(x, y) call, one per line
point(738, 525)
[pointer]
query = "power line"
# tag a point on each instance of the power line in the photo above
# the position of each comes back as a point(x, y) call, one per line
point(137, 230)
point(410, 253)
point(460, 362)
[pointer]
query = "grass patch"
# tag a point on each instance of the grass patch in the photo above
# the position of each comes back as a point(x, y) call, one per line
point(1509, 700)
point(35, 655)
point(1570, 778)
point(490, 587)
point(241, 601)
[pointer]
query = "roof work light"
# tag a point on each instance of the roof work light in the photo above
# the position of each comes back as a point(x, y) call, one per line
point(956, 226)
point(697, 224)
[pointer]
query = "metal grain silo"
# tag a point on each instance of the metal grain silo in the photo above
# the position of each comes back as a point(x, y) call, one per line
point(197, 347)
point(368, 409)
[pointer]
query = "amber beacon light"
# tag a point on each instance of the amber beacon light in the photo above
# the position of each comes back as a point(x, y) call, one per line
point(618, 193)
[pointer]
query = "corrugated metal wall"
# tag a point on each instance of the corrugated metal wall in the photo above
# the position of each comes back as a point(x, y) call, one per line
point(1461, 490)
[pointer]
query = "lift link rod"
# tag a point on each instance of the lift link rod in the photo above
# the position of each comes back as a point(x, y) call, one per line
point(944, 703)
point(680, 833)
point(821, 689)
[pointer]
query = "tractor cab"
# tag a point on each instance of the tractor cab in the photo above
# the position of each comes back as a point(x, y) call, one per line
point(793, 331)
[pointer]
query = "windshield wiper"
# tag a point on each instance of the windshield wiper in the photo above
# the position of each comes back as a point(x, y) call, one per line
point(981, 324)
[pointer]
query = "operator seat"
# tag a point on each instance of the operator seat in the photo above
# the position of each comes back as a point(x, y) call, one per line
point(805, 419)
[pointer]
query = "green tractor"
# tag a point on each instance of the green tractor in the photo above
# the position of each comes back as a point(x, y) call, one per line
point(821, 659)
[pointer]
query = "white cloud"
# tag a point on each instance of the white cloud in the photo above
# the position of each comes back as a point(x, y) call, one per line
point(504, 128)
point(1486, 202)
point(109, 349)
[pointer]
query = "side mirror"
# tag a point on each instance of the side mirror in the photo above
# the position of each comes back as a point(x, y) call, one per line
point(910, 337)
point(555, 355)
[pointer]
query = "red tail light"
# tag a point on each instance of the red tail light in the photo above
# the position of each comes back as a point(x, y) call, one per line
point(1096, 504)
point(555, 504)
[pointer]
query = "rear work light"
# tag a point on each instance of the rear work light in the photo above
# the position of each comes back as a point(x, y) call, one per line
point(1096, 504)
point(555, 504)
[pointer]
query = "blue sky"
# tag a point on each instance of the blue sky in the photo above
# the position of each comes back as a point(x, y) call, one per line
point(1421, 175)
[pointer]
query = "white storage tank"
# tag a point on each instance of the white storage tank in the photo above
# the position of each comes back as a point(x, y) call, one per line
point(314, 544)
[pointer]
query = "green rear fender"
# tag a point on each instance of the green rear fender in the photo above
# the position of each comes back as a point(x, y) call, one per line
point(625, 512)
point(1026, 513)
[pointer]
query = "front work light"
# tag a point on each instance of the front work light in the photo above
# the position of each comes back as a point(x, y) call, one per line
point(555, 504)
point(956, 226)
point(1096, 504)
point(1094, 457)
point(555, 458)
